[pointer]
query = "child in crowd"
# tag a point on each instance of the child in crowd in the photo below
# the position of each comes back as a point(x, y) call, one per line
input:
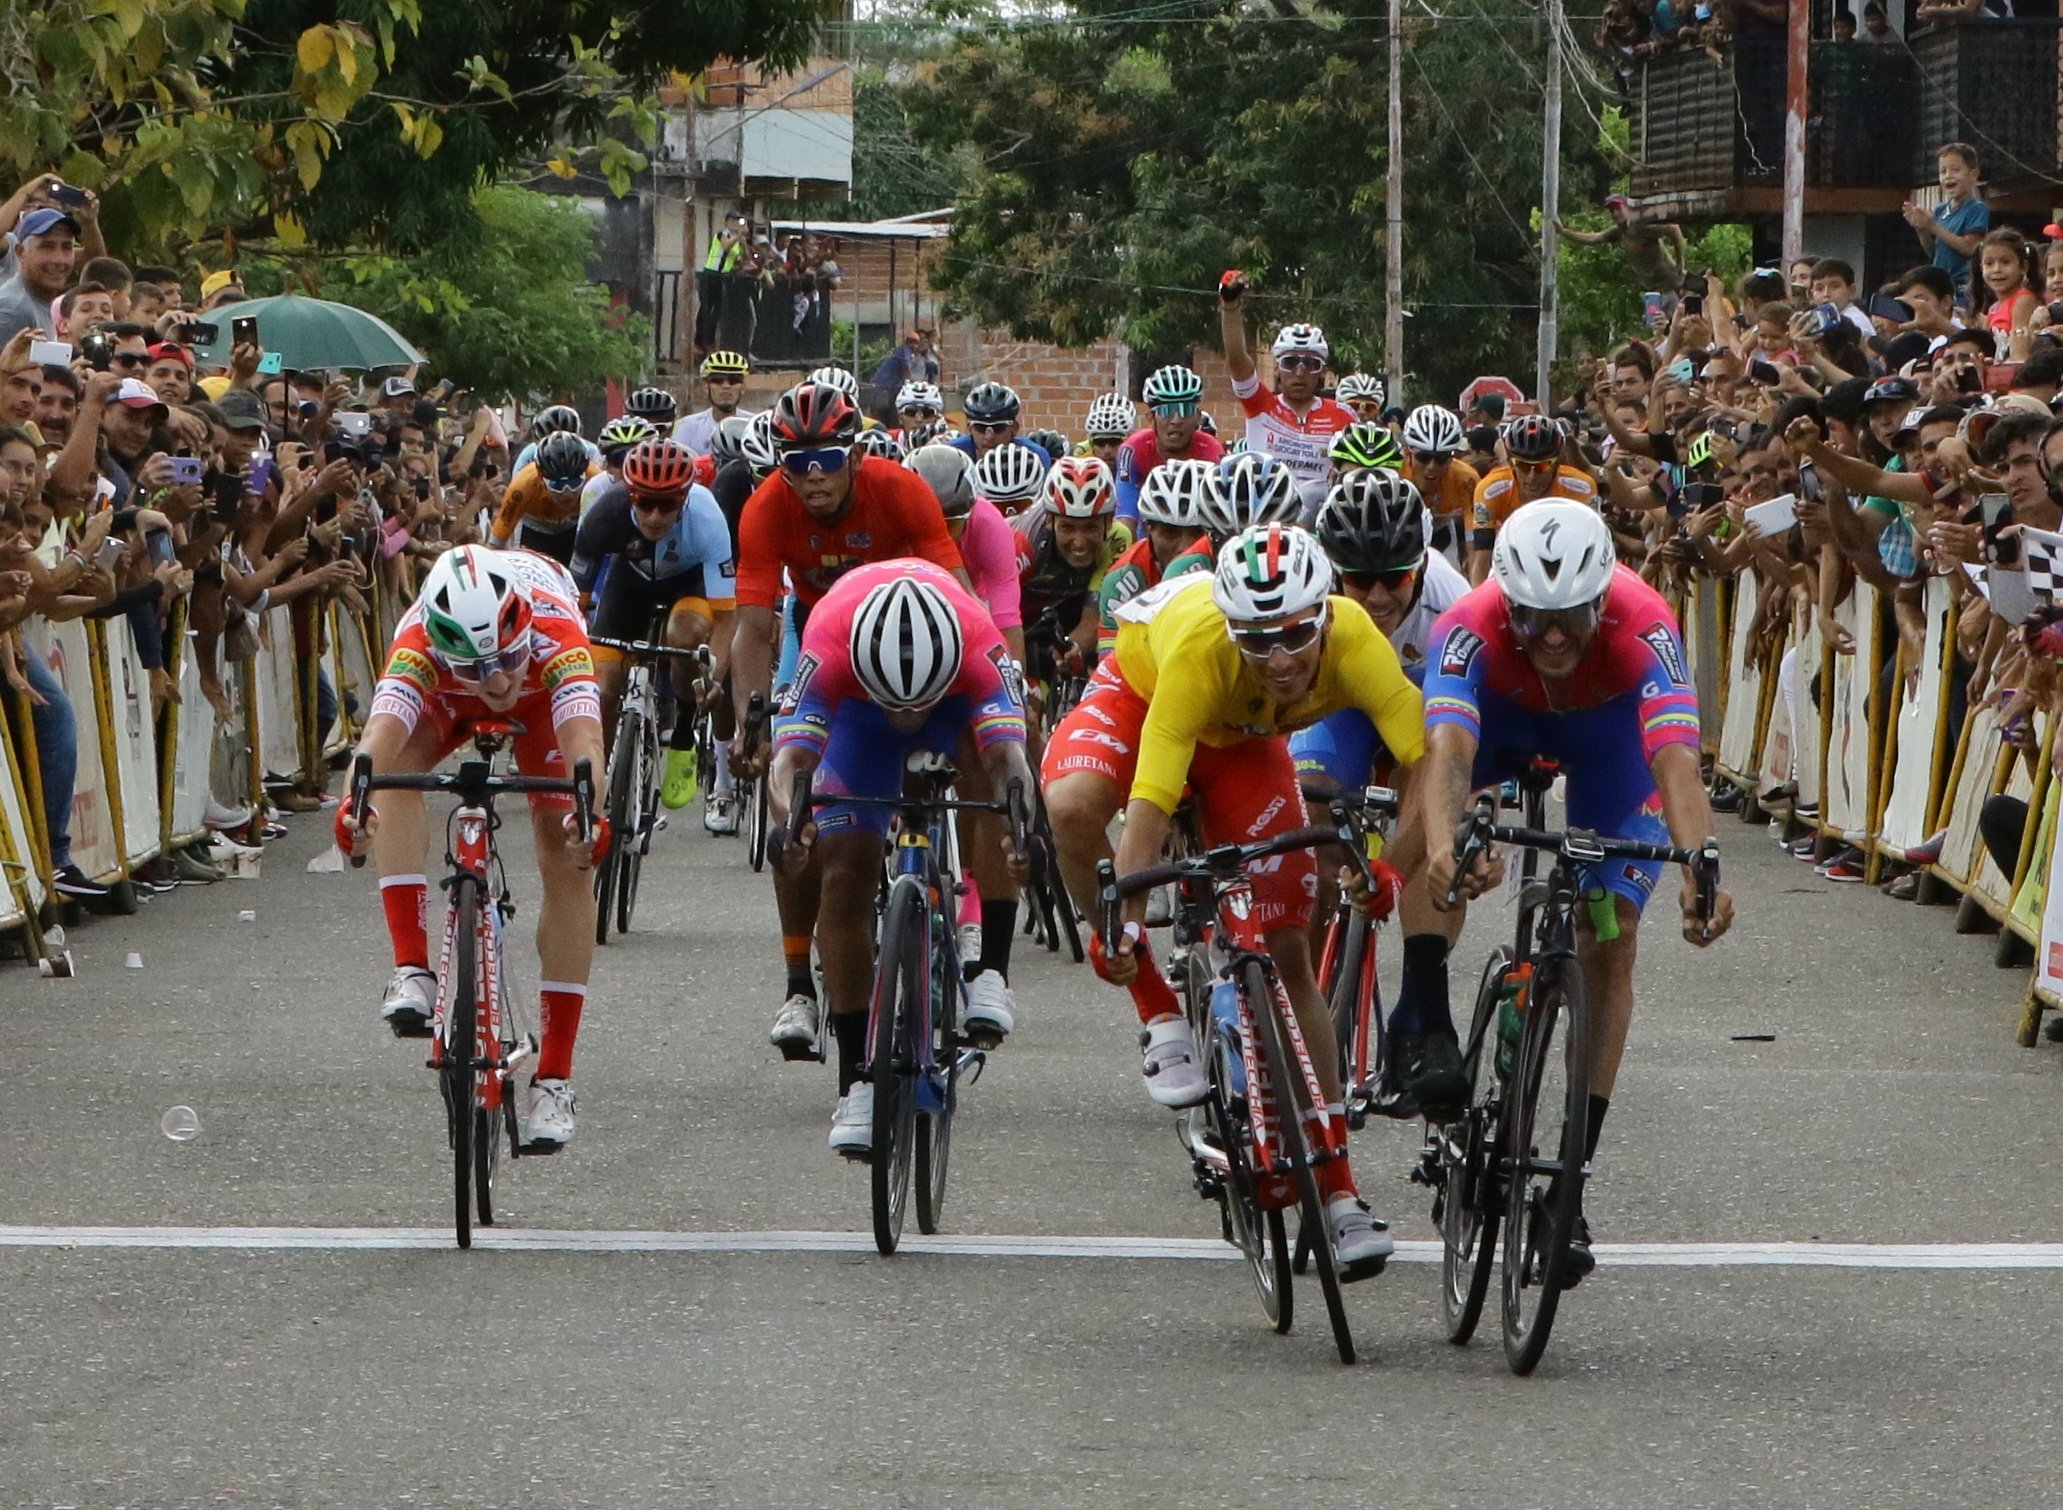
point(2002, 264)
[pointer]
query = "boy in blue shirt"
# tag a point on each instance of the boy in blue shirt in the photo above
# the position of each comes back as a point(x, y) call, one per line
point(1952, 233)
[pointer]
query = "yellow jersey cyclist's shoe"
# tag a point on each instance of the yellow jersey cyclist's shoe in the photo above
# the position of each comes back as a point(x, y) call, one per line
point(1361, 1242)
point(680, 786)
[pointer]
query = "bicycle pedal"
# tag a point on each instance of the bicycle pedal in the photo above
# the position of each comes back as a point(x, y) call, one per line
point(984, 1039)
point(538, 1150)
point(794, 1051)
point(659, 823)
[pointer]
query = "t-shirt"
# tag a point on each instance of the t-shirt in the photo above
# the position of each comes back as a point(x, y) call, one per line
point(892, 513)
point(1174, 651)
point(1497, 495)
point(1971, 217)
point(1298, 441)
point(20, 310)
point(825, 678)
point(989, 547)
point(1140, 454)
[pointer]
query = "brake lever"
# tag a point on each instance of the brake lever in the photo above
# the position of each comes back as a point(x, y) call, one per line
point(584, 798)
point(1106, 895)
point(361, 800)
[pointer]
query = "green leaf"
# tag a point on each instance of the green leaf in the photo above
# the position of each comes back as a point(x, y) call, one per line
point(315, 48)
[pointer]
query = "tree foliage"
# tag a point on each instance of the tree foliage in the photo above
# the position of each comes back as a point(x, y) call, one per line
point(1126, 157)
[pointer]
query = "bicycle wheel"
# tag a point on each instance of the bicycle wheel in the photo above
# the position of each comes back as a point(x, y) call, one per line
point(617, 801)
point(1468, 1210)
point(1260, 1235)
point(490, 1122)
point(1343, 994)
point(1549, 1107)
point(935, 1128)
point(900, 979)
point(460, 1048)
point(644, 791)
point(1293, 1104)
point(752, 819)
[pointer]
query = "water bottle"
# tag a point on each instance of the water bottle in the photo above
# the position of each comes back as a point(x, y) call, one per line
point(1225, 1023)
point(1511, 1018)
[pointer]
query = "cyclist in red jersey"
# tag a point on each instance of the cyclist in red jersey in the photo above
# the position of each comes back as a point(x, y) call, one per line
point(1293, 424)
point(825, 510)
point(494, 633)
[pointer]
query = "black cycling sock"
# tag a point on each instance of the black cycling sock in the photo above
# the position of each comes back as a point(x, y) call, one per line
point(1599, 1105)
point(1422, 1005)
point(998, 930)
point(850, 1029)
point(802, 981)
point(684, 726)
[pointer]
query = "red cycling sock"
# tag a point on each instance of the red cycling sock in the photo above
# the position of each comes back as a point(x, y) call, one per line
point(1151, 993)
point(558, 1014)
point(1336, 1176)
point(404, 898)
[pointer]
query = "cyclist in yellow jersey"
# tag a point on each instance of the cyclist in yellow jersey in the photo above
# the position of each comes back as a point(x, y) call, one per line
point(1208, 676)
point(1534, 468)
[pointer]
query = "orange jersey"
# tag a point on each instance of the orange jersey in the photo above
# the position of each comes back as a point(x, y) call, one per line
point(1497, 495)
point(528, 498)
point(1457, 489)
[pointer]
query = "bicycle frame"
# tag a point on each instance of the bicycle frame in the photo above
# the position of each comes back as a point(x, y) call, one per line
point(469, 850)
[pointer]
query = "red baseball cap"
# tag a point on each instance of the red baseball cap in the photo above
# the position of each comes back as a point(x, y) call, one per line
point(172, 351)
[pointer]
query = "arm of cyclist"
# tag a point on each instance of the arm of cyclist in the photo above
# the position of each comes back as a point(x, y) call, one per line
point(1006, 763)
point(752, 670)
point(386, 734)
point(1443, 802)
point(1688, 812)
point(580, 738)
point(1146, 831)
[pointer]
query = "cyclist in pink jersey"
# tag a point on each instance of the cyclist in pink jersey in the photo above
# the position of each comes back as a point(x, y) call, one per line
point(1565, 654)
point(898, 660)
point(1293, 423)
point(988, 546)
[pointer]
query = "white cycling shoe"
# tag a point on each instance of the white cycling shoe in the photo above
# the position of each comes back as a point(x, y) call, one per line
point(1169, 1062)
point(410, 1003)
point(990, 1007)
point(795, 1027)
point(548, 1113)
point(852, 1123)
point(1361, 1242)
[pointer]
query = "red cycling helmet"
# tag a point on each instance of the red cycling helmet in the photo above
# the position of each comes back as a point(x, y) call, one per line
point(658, 469)
point(815, 414)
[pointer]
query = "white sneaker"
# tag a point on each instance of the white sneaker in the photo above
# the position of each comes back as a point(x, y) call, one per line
point(548, 1113)
point(990, 1006)
point(410, 1002)
point(852, 1123)
point(1174, 1074)
point(1360, 1242)
point(720, 813)
point(970, 943)
point(795, 1028)
point(219, 815)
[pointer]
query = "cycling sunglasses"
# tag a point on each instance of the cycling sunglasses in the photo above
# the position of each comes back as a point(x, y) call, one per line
point(1176, 409)
point(1530, 464)
point(1532, 623)
point(989, 426)
point(511, 658)
point(658, 503)
point(806, 463)
point(1294, 362)
point(1292, 639)
point(1431, 458)
point(571, 485)
point(1396, 580)
point(918, 411)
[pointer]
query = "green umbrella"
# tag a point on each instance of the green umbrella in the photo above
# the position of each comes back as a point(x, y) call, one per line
point(309, 333)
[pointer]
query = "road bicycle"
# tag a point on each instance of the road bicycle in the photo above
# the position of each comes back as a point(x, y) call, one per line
point(1347, 963)
point(1262, 1130)
point(481, 1038)
point(751, 795)
point(636, 767)
point(1049, 912)
point(918, 1051)
point(1531, 1020)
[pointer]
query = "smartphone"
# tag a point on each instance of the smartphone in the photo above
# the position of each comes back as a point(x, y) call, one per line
point(261, 475)
point(2056, 312)
point(111, 550)
point(64, 193)
point(271, 364)
point(1969, 380)
point(1699, 496)
point(1994, 513)
point(422, 489)
point(1693, 304)
point(187, 471)
point(1810, 488)
point(203, 332)
point(1651, 308)
point(353, 423)
point(51, 353)
point(243, 330)
point(1763, 374)
point(337, 450)
point(159, 543)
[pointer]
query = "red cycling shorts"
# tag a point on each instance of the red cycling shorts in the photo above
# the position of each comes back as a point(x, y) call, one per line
point(1243, 792)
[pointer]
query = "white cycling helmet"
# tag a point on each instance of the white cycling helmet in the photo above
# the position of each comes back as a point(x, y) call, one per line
point(1250, 489)
point(878, 443)
point(906, 643)
point(1273, 571)
point(1175, 493)
point(476, 613)
point(949, 473)
point(839, 378)
point(1111, 417)
point(1080, 487)
point(1430, 427)
point(1301, 337)
point(1011, 474)
point(756, 445)
point(1554, 554)
point(915, 395)
point(1359, 385)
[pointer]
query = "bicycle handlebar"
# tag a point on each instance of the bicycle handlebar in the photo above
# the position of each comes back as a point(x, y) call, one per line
point(648, 648)
point(1477, 832)
point(1221, 862)
point(473, 784)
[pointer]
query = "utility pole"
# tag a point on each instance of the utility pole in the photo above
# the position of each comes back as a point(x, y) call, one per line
point(1800, 48)
point(1550, 208)
point(1393, 291)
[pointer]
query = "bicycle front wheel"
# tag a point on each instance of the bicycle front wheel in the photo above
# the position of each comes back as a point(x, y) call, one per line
point(1284, 1073)
point(900, 980)
point(1259, 1235)
point(752, 819)
point(460, 1047)
point(644, 789)
point(617, 800)
point(1468, 1209)
point(1549, 1108)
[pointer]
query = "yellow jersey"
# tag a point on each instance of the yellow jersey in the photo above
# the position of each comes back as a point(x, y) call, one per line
point(1497, 495)
point(1174, 651)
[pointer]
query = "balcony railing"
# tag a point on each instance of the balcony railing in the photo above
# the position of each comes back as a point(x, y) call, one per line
point(1875, 114)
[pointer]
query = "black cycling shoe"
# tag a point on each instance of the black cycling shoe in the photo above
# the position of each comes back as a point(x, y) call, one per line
point(1424, 1078)
point(1580, 1261)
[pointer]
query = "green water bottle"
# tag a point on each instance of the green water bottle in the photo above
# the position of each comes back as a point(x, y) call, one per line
point(1511, 1018)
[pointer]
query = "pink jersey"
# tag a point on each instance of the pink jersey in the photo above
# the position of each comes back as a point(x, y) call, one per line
point(824, 676)
point(989, 548)
point(1298, 441)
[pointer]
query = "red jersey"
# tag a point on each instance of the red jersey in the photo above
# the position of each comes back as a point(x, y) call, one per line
point(892, 513)
point(1298, 441)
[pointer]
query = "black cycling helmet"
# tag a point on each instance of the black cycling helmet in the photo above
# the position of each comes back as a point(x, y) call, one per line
point(1052, 442)
point(562, 458)
point(1372, 521)
point(654, 404)
point(551, 420)
point(992, 402)
point(1532, 437)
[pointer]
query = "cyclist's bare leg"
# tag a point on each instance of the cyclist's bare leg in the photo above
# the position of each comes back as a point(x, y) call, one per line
point(1080, 806)
point(796, 898)
point(612, 672)
point(565, 940)
point(1291, 948)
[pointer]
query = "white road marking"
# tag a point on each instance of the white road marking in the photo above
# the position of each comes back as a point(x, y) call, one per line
point(1209, 1250)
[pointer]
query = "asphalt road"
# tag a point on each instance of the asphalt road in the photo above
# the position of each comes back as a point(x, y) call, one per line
point(307, 1336)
